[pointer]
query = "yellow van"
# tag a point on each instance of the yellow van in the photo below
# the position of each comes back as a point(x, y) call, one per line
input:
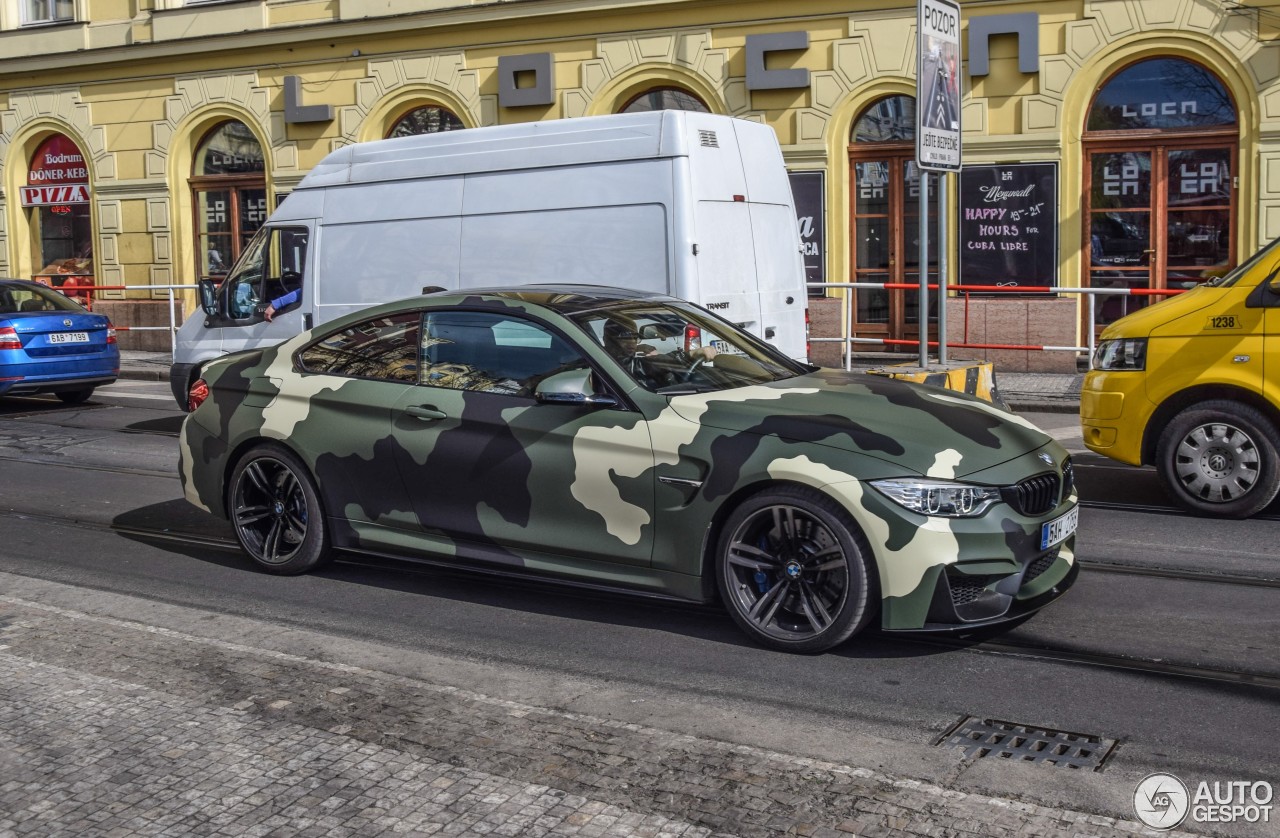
point(1192, 385)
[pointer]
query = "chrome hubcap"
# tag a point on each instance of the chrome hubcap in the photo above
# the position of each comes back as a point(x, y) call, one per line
point(1217, 463)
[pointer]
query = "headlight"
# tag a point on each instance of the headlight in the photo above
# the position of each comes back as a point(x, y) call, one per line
point(1125, 354)
point(942, 498)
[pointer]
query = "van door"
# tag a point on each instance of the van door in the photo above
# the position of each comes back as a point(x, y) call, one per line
point(272, 272)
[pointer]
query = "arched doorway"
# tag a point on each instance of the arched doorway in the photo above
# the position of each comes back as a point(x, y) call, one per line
point(228, 185)
point(428, 119)
point(1161, 141)
point(665, 99)
point(884, 219)
point(56, 198)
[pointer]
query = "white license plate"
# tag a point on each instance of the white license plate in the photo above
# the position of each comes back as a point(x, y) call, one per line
point(725, 347)
point(69, 337)
point(1059, 529)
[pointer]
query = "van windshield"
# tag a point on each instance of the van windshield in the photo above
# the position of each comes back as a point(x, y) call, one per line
point(670, 348)
point(1232, 277)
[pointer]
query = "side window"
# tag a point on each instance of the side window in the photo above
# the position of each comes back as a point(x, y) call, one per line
point(269, 272)
point(385, 349)
point(492, 353)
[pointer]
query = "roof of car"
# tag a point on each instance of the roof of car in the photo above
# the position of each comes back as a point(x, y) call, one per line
point(565, 298)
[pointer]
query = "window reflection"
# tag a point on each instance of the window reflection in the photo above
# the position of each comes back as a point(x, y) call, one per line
point(385, 348)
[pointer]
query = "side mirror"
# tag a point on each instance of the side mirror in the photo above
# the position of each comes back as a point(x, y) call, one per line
point(209, 296)
point(658, 331)
point(572, 387)
point(1274, 285)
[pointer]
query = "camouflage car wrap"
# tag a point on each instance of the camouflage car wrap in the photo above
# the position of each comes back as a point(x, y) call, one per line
point(634, 495)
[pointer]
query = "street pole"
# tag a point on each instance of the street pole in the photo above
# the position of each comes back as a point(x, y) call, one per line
point(924, 268)
point(943, 245)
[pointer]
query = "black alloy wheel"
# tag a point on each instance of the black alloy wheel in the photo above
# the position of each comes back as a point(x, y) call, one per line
point(276, 512)
point(792, 569)
point(1218, 458)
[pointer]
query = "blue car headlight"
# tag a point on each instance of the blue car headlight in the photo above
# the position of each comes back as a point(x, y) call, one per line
point(940, 498)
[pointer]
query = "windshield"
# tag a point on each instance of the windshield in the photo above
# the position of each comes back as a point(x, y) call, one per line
point(671, 348)
point(1234, 276)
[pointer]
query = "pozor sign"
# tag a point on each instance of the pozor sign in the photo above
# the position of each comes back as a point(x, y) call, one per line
point(938, 85)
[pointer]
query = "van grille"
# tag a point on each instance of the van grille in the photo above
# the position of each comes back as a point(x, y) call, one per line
point(708, 139)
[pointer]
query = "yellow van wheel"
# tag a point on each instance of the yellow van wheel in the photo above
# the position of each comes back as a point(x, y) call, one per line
point(1218, 458)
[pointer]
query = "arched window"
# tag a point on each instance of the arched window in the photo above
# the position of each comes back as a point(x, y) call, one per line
point(1162, 141)
point(429, 119)
point(230, 195)
point(885, 218)
point(888, 120)
point(665, 99)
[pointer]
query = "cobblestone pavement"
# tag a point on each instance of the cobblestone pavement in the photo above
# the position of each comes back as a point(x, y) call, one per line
point(115, 728)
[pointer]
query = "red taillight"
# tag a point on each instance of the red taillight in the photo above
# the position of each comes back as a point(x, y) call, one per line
point(111, 333)
point(9, 338)
point(692, 338)
point(197, 394)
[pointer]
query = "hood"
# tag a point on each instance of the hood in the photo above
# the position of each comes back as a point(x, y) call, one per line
point(920, 429)
point(1141, 323)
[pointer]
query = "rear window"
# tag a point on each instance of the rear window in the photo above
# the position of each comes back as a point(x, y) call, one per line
point(16, 298)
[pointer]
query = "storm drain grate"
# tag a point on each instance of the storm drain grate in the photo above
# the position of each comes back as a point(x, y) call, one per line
point(980, 738)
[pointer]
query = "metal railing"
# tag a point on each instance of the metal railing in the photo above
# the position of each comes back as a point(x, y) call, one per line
point(849, 338)
point(76, 292)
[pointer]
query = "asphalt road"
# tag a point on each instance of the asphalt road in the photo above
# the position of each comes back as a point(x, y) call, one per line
point(1167, 645)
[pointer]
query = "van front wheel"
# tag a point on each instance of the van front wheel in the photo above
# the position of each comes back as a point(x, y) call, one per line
point(1218, 458)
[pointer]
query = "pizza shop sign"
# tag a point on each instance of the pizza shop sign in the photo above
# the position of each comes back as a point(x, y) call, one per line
point(57, 176)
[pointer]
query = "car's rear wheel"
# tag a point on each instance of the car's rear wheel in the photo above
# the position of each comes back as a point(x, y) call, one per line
point(1218, 458)
point(276, 512)
point(75, 396)
point(793, 570)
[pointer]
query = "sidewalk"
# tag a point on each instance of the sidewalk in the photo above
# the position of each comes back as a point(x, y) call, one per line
point(181, 722)
point(1025, 391)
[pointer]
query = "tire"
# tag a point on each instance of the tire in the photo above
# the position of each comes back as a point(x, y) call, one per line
point(75, 396)
point(276, 512)
point(792, 568)
point(1218, 459)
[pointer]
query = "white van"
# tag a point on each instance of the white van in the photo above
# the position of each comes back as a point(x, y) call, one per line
point(693, 205)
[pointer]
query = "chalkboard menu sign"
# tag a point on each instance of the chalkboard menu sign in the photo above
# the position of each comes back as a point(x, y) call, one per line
point(809, 194)
point(1009, 224)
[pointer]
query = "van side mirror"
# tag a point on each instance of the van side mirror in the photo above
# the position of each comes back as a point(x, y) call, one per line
point(209, 296)
point(571, 387)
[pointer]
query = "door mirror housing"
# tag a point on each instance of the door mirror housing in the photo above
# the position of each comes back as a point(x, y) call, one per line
point(571, 387)
point(209, 296)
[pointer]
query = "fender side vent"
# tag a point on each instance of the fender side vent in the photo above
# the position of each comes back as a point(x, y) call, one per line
point(708, 139)
point(985, 738)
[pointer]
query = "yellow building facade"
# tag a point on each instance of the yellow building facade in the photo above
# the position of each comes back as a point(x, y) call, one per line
point(136, 88)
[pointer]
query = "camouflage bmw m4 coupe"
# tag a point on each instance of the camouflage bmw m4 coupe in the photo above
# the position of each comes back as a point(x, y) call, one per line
point(611, 439)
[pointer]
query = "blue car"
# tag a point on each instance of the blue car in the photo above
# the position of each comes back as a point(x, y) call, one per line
point(50, 344)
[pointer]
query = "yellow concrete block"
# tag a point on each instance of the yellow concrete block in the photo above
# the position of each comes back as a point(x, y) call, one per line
point(976, 378)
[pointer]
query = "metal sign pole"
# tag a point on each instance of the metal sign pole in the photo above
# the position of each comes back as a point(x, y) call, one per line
point(943, 246)
point(924, 268)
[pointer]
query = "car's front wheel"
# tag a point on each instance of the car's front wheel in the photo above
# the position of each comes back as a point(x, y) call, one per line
point(276, 513)
point(793, 570)
point(1219, 458)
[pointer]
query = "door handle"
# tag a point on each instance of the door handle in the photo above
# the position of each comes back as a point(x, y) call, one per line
point(425, 412)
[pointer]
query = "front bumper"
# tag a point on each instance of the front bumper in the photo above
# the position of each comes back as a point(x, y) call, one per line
point(965, 602)
point(1114, 413)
